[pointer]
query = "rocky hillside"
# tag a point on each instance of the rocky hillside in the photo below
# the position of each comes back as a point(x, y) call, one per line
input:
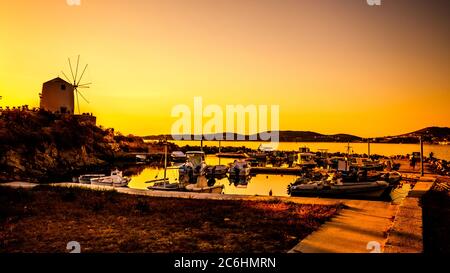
point(42, 146)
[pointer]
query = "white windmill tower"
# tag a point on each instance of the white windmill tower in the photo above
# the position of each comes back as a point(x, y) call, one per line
point(76, 82)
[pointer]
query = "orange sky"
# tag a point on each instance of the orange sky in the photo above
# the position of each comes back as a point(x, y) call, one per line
point(332, 66)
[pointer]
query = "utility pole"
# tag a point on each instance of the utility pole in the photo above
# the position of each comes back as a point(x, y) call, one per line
point(219, 150)
point(165, 160)
point(421, 157)
point(201, 144)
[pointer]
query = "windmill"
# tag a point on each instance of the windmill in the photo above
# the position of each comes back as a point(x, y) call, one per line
point(76, 82)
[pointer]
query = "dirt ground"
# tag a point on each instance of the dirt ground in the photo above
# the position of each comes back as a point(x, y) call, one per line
point(45, 219)
point(436, 218)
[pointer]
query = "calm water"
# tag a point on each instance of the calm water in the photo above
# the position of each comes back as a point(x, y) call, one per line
point(257, 185)
point(440, 151)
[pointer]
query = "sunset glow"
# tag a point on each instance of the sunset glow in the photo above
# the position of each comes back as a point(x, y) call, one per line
point(338, 67)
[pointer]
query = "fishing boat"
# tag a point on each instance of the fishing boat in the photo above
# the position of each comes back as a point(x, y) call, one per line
point(163, 184)
point(339, 189)
point(116, 179)
point(306, 159)
point(191, 168)
point(86, 178)
point(239, 168)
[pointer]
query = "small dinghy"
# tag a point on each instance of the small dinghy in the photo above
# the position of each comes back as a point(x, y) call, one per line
point(115, 180)
point(86, 178)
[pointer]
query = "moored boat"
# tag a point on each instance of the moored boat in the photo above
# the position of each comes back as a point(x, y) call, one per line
point(216, 171)
point(239, 168)
point(339, 189)
point(116, 179)
point(86, 178)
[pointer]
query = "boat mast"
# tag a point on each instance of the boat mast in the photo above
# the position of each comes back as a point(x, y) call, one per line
point(219, 151)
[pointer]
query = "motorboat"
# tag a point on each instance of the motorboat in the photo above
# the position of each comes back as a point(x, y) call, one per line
point(239, 168)
point(86, 178)
point(306, 159)
point(116, 179)
point(217, 170)
point(191, 168)
point(337, 188)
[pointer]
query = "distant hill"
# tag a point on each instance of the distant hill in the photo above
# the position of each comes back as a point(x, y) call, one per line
point(429, 135)
point(285, 136)
point(433, 132)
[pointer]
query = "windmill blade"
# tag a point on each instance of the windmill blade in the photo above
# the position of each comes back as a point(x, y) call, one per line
point(81, 95)
point(67, 78)
point(84, 84)
point(71, 71)
point(84, 87)
point(81, 77)
point(76, 71)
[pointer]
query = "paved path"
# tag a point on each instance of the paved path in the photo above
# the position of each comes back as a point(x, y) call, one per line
point(406, 235)
point(352, 230)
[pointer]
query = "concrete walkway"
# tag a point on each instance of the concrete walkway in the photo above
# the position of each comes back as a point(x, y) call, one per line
point(406, 235)
point(352, 230)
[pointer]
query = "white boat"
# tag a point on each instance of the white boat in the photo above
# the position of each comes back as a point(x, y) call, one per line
point(116, 179)
point(239, 168)
point(86, 178)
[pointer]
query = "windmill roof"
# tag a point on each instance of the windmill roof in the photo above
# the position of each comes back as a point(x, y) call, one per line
point(58, 79)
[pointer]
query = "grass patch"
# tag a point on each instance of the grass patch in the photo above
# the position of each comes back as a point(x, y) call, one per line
point(45, 219)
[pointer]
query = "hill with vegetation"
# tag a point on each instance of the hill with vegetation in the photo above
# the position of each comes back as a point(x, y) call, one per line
point(37, 145)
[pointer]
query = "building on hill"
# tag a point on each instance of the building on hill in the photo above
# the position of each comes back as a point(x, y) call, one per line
point(57, 96)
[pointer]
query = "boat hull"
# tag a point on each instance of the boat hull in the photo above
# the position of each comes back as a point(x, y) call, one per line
point(354, 190)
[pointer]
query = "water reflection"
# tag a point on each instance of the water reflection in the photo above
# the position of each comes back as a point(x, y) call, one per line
point(261, 184)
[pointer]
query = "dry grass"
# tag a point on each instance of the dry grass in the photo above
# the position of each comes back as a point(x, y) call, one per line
point(46, 218)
